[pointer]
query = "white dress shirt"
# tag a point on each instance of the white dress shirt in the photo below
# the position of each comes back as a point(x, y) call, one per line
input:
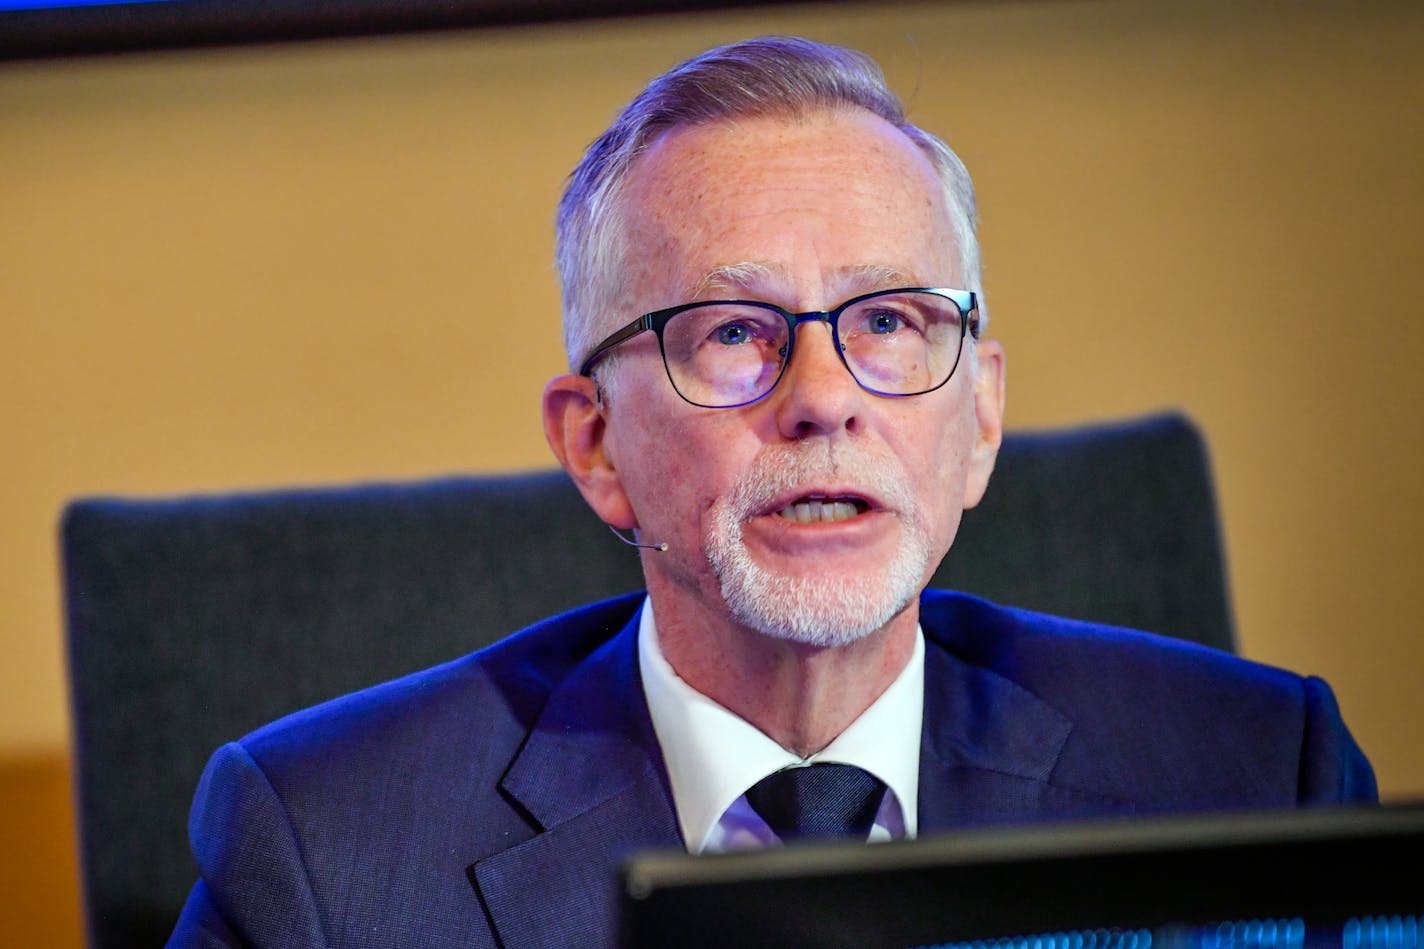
point(713, 755)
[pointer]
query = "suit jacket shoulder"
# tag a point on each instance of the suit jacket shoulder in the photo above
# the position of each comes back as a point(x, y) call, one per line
point(1098, 720)
point(499, 689)
point(437, 808)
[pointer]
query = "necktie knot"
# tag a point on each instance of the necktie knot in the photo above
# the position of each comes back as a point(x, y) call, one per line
point(819, 800)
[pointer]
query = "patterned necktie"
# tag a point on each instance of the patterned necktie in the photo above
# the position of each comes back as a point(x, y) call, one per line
point(819, 800)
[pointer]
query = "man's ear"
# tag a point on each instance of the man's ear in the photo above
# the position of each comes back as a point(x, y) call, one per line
point(989, 416)
point(576, 429)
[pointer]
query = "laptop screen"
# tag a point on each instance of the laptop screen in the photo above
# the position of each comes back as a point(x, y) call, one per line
point(1344, 878)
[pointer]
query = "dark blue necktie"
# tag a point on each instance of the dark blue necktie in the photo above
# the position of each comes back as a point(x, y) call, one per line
point(819, 800)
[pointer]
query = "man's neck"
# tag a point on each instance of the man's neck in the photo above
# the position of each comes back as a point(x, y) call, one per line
point(800, 696)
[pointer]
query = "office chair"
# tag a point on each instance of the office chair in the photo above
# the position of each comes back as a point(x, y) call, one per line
point(193, 620)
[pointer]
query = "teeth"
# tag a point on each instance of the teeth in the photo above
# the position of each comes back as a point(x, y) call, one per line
point(816, 510)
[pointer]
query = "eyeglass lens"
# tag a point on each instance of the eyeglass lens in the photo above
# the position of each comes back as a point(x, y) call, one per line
point(726, 354)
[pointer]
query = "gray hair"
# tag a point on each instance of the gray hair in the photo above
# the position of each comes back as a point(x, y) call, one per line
point(766, 76)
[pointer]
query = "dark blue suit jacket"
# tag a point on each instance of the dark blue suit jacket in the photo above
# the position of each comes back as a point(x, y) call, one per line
point(489, 801)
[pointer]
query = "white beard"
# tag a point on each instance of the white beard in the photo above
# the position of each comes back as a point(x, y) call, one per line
point(816, 610)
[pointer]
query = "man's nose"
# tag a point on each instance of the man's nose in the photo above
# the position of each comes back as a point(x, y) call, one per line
point(817, 394)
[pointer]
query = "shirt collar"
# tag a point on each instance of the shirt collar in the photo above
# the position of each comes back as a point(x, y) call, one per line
point(713, 755)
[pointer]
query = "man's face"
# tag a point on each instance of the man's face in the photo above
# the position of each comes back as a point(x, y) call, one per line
point(818, 513)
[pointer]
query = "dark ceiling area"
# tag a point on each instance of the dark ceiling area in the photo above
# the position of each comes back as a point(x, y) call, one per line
point(65, 28)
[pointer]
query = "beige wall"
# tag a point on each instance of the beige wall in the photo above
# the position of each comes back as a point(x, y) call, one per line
point(329, 263)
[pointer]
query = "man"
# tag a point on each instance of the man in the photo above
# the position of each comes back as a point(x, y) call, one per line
point(793, 430)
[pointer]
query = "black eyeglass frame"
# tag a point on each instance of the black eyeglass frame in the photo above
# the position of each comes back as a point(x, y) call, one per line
point(966, 300)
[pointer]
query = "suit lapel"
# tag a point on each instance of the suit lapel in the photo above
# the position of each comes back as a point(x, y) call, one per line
point(591, 777)
point(988, 747)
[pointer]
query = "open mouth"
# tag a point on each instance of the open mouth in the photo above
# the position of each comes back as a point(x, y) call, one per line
point(822, 510)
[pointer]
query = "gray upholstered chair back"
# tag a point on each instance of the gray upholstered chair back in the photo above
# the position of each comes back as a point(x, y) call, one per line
point(193, 620)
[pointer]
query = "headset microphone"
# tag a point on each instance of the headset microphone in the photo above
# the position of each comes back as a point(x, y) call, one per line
point(634, 543)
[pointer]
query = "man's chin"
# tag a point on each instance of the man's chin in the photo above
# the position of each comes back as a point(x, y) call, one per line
point(822, 611)
point(828, 588)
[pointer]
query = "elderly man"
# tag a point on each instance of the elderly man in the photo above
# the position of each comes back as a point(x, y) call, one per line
point(783, 387)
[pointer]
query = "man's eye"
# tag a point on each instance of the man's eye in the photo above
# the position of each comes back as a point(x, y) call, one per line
point(732, 334)
point(883, 322)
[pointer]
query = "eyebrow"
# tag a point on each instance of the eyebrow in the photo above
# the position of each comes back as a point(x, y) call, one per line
point(741, 277)
point(867, 277)
point(749, 276)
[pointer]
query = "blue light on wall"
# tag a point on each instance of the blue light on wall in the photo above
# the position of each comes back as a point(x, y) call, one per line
point(1383, 932)
point(57, 4)
point(1081, 939)
point(1362, 932)
point(1255, 934)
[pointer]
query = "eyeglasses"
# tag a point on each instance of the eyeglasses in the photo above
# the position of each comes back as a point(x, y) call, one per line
point(727, 353)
